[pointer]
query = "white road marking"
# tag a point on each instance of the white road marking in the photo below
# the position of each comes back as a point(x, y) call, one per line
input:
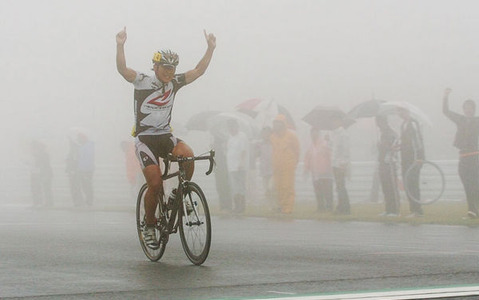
point(284, 293)
point(435, 293)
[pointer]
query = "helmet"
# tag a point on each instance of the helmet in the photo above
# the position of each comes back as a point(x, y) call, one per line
point(166, 58)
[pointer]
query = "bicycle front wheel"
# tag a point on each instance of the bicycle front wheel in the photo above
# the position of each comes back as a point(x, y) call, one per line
point(424, 182)
point(195, 224)
point(153, 253)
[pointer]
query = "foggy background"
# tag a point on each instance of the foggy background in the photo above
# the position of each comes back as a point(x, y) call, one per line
point(58, 65)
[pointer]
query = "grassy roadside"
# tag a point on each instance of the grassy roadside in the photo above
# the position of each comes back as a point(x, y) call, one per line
point(441, 213)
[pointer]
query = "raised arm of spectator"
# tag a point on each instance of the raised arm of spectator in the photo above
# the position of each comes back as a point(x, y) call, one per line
point(445, 107)
point(127, 73)
point(201, 67)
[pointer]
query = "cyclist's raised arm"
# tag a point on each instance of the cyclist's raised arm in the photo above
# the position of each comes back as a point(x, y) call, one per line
point(201, 67)
point(124, 71)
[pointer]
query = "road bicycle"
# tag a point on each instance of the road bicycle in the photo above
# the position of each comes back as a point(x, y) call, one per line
point(431, 182)
point(187, 212)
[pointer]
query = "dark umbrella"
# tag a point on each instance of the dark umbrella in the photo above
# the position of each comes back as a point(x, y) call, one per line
point(218, 124)
point(367, 109)
point(324, 118)
point(200, 121)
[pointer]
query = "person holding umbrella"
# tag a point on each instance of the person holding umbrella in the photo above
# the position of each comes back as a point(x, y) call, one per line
point(341, 164)
point(466, 140)
point(237, 158)
point(411, 149)
point(317, 162)
point(333, 119)
point(387, 166)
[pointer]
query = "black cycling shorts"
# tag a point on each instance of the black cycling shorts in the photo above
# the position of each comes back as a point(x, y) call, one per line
point(150, 147)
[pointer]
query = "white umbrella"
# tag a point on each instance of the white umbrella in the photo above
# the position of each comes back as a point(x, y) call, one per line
point(388, 108)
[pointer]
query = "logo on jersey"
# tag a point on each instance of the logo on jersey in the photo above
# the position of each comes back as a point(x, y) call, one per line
point(159, 100)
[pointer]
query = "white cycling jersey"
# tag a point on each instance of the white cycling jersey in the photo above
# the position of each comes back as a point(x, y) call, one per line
point(154, 102)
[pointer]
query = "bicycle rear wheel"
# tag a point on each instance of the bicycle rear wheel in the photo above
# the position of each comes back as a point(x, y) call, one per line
point(424, 182)
point(153, 254)
point(195, 224)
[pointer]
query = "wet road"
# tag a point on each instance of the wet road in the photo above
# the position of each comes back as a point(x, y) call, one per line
point(70, 254)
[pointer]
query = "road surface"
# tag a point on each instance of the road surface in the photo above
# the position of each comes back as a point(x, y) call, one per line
point(88, 254)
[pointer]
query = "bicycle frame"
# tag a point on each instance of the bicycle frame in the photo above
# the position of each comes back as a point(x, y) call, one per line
point(175, 213)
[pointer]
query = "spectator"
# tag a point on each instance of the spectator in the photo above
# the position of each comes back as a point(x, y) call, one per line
point(263, 151)
point(80, 168)
point(41, 175)
point(285, 146)
point(221, 174)
point(341, 166)
point(387, 167)
point(466, 140)
point(237, 157)
point(317, 161)
point(411, 150)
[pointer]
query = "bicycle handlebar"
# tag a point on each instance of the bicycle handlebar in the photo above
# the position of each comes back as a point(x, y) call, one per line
point(171, 158)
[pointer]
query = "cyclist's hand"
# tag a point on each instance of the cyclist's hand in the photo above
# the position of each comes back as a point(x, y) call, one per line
point(210, 39)
point(121, 37)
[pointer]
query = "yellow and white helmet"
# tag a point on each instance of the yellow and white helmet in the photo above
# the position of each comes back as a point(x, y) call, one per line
point(166, 58)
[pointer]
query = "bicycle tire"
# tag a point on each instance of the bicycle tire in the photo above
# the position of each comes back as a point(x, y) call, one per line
point(195, 224)
point(432, 182)
point(152, 254)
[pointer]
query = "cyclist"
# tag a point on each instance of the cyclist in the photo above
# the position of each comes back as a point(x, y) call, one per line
point(154, 97)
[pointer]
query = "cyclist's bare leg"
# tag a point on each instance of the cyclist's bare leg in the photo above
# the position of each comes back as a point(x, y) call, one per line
point(182, 149)
point(153, 178)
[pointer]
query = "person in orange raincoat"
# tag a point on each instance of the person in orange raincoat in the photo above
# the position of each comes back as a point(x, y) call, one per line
point(285, 148)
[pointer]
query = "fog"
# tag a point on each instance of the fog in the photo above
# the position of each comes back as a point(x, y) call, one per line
point(58, 63)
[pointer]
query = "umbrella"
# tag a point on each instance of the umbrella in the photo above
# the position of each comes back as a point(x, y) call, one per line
point(365, 109)
point(388, 108)
point(200, 121)
point(264, 111)
point(324, 117)
point(218, 124)
point(249, 105)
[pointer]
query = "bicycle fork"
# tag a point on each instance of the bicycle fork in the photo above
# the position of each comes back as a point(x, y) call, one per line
point(189, 207)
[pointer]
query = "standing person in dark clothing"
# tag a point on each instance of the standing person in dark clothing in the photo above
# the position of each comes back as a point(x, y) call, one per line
point(466, 140)
point(411, 150)
point(387, 167)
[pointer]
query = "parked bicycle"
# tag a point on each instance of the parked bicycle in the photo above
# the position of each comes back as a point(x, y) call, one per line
point(186, 212)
